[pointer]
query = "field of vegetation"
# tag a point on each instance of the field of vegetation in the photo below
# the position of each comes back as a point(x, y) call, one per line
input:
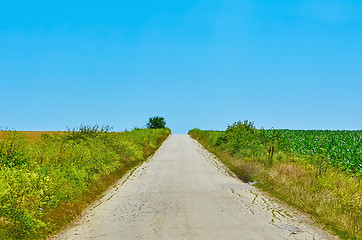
point(46, 180)
point(318, 172)
point(342, 149)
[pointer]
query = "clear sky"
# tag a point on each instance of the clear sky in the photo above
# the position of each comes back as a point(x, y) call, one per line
point(293, 64)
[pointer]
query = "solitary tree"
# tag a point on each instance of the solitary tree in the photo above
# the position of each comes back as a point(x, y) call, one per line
point(156, 122)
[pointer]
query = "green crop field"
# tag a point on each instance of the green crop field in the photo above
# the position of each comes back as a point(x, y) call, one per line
point(342, 149)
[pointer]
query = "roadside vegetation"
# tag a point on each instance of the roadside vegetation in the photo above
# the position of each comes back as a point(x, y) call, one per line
point(318, 172)
point(46, 182)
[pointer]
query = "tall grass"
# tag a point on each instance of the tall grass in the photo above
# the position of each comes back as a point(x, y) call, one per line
point(307, 182)
point(46, 183)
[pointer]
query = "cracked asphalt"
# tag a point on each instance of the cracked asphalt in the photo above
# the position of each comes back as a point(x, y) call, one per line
point(183, 192)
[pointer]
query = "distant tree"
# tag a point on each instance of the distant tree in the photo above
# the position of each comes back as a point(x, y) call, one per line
point(156, 122)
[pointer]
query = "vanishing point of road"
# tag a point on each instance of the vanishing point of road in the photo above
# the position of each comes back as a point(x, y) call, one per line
point(183, 192)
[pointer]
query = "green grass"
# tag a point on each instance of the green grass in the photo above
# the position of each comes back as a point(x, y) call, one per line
point(309, 180)
point(46, 183)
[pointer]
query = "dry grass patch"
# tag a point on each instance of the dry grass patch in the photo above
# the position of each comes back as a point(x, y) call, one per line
point(32, 136)
point(36, 135)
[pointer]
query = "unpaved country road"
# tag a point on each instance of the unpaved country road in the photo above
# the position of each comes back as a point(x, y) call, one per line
point(184, 193)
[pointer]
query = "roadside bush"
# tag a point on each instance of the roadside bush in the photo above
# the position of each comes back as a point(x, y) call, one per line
point(243, 139)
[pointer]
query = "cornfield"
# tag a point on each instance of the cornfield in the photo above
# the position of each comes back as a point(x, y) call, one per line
point(341, 148)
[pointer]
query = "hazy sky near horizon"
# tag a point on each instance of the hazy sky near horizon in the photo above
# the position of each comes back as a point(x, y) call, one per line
point(200, 64)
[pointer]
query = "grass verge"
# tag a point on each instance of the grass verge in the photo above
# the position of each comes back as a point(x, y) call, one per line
point(328, 194)
point(45, 183)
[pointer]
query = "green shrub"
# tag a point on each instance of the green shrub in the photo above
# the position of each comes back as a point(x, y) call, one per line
point(243, 139)
point(156, 122)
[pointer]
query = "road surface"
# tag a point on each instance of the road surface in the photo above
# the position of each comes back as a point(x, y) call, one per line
point(183, 192)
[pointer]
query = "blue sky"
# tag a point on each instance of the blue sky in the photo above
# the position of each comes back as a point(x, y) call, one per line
point(205, 64)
